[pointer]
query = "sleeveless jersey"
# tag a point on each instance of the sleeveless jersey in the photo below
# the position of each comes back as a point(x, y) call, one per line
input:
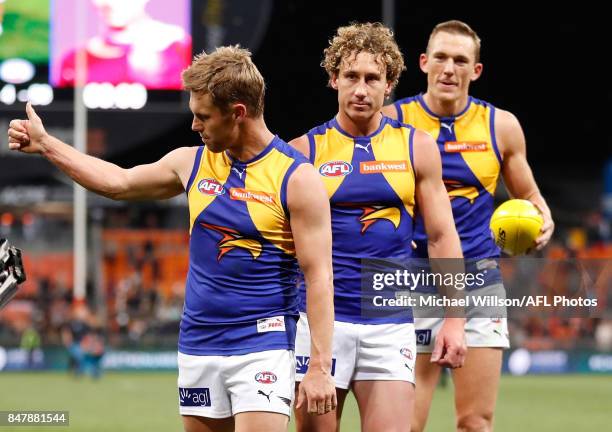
point(371, 185)
point(471, 164)
point(241, 294)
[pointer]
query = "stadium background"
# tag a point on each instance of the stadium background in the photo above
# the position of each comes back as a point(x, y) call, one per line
point(547, 67)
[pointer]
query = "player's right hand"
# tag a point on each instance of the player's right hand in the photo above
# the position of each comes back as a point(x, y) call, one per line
point(318, 391)
point(450, 347)
point(28, 135)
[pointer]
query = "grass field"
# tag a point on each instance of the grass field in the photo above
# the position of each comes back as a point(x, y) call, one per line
point(147, 402)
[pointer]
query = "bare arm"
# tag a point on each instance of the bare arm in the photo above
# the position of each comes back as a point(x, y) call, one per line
point(311, 226)
point(432, 200)
point(516, 171)
point(162, 179)
point(443, 241)
point(301, 144)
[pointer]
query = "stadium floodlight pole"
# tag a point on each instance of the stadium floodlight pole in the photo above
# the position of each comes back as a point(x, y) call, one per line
point(80, 143)
point(388, 18)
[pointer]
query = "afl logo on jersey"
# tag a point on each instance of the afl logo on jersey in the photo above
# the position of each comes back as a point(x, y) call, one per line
point(265, 377)
point(210, 186)
point(335, 169)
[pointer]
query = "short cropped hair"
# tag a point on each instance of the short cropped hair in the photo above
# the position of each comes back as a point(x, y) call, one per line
point(459, 28)
point(373, 38)
point(229, 76)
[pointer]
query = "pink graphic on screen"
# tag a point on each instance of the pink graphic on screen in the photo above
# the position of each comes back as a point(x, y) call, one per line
point(127, 41)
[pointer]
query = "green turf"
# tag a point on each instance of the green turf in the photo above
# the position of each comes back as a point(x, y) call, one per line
point(147, 402)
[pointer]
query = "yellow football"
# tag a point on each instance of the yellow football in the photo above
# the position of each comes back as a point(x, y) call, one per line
point(516, 225)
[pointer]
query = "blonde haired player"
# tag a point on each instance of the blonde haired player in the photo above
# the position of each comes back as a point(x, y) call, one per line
point(477, 142)
point(256, 208)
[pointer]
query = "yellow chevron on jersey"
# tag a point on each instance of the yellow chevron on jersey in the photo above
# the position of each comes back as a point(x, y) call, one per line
point(262, 193)
point(342, 147)
point(264, 183)
point(390, 145)
point(214, 167)
point(473, 129)
point(333, 150)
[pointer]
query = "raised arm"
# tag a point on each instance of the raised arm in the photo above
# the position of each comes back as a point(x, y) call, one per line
point(443, 241)
point(517, 174)
point(311, 226)
point(162, 179)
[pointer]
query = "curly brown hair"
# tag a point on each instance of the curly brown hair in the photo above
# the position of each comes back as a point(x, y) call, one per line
point(229, 76)
point(374, 38)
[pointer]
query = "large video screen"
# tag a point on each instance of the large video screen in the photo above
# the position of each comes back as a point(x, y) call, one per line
point(25, 30)
point(125, 41)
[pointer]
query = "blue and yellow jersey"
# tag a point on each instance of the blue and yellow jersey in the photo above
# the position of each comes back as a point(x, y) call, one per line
point(241, 294)
point(370, 183)
point(471, 164)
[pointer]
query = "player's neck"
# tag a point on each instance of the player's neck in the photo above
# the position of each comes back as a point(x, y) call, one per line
point(445, 108)
point(254, 138)
point(358, 127)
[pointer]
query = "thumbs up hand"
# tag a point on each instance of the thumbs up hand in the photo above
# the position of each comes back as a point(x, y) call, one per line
point(28, 135)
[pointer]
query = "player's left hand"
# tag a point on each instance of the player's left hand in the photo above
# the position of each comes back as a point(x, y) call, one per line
point(450, 347)
point(547, 229)
point(318, 391)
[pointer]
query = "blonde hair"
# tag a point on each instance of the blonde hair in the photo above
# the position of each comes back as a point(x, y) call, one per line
point(458, 28)
point(229, 76)
point(373, 38)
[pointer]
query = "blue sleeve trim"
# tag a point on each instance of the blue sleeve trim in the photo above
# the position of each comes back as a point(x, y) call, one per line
point(283, 191)
point(195, 169)
point(492, 129)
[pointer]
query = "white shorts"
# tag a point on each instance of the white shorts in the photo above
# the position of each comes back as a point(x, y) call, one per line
point(480, 332)
point(363, 352)
point(223, 386)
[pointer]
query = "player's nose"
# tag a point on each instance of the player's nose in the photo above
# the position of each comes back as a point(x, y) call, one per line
point(195, 125)
point(449, 67)
point(361, 89)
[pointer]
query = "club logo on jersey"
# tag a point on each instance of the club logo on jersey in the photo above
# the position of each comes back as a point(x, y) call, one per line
point(374, 213)
point(406, 352)
point(253, 196)
point(302, 363)
point(423, 337)
point(335, 169)
point(272, 324)
point(375, 167)
point(265, 377)
point(465, 146)
point(456, 189)
point(210, 186)
point(194, 397)
point(233, 239)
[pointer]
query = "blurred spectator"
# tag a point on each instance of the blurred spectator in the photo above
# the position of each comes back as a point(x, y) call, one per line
point(603, 335)
point(30, 343)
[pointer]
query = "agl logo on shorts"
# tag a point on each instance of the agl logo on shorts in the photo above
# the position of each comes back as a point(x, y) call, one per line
point(265, 377)
point(335, 169)
point(210, 186)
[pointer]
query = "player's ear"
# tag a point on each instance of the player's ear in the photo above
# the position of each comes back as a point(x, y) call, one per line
point(423, 62)
point(477, 71)
point(239, 112)
point(333, 81)
point(388, 89)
